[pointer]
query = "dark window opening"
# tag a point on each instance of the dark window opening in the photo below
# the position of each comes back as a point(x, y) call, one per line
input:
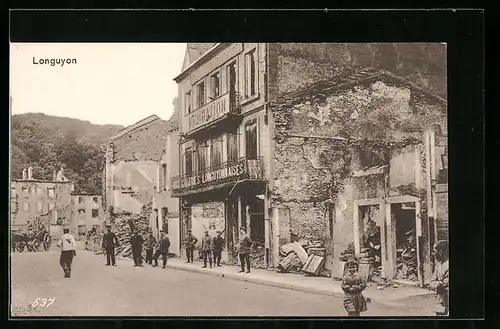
point(201, 94)
point(250, 89)
point(95, 213)
point(202, 156)
point(251, 141)
point(232, 148)
point(187, 101)
point(215, 85)
point(231, 77)
point(216, 152)
point(189, 162)
point(95, 199)
point(164, 176)
point(368, 158)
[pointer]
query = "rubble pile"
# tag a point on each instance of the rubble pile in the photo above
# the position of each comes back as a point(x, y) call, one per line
point(407, 259)
point(257, 257)
point(122, 227)
point(303, 256)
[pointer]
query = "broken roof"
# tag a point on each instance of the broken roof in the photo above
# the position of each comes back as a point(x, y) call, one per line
point(146, 121)
point(354, 78)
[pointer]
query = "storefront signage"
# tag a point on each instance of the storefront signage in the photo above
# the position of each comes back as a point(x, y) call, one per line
point(211, 176)
point(209, 113)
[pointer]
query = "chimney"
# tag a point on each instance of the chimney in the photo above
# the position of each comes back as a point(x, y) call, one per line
point(30, 173)
point(24, 174)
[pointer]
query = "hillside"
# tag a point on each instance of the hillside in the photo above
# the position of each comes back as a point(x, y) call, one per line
point(47, 142)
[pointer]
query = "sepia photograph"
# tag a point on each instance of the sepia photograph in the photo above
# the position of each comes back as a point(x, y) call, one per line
point(229, 179)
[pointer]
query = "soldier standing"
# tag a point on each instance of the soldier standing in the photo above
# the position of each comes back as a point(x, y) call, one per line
point(150, 244)
point(67, 244)
point(206, 248)
point(441, 278)
point(109, 243)
point(136, 241)
point(191, 241)
point(162, 250)
point(218, 247)
point(244, 249)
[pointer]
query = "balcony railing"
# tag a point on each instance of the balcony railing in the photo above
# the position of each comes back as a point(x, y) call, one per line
point(223, 106)
point(226, 172)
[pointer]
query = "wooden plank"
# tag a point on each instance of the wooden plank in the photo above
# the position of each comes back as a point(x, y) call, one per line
point(418, 231)
point(369, 202)
point(355, 220)
point(389, 264)
point(370, 171)
point(383, 236)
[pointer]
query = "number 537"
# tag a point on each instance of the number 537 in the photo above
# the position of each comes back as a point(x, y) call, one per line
point(43, 302)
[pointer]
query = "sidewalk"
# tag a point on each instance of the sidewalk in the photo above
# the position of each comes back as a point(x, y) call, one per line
point(402, 296)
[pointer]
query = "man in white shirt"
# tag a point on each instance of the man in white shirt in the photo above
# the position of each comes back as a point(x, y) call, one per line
point(67, 244)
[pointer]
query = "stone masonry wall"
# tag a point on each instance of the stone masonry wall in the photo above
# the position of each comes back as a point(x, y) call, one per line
point(145, 143)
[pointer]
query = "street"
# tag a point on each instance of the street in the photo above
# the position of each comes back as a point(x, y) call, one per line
point(98, 290)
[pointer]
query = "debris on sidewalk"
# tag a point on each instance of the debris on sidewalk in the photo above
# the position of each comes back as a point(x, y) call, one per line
point(304, 256)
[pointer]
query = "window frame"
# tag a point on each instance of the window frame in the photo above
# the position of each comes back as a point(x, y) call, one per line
point(213, 96)
point(188, 102)
point(201, 101)
point(251, 67)
point(249, 125)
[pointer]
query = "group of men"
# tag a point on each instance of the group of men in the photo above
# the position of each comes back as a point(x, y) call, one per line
point(211, 248)
point(110, 242)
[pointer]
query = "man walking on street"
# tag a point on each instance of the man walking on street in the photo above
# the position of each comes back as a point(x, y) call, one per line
point(206, 249)
point(244, 249)
point(162, 250)
point(191, 241)
point(136, 241)
point(218, 247)
point(67, 244)
point(109, 243)
point(150, 244)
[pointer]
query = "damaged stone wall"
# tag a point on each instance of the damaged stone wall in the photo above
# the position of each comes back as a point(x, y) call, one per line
point(144, 143)
point(318, 141)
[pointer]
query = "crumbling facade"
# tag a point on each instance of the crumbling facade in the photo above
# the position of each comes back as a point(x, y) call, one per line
point(341, 155)
point(131, 166)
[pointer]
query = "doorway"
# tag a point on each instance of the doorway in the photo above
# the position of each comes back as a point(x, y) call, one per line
point(255, 216)
point(403, 217)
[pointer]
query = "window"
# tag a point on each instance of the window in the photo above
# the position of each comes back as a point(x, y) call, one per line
point(32, 190)
point(164, 176)
point(231, 77)
point(232, 148)
point(95, 213)
point(26, 206)
point(251, 140)
point(80, 199)
point(95, 199)
point(39, 206)
point(187, 102)
point(216, 152)
point(188, 170)
point(51, 191)
point(25, 189)
point(250, 75)
point(202, 156)
point(12, 192)
point(51, 206)
point(215, 86)
point(201, 94)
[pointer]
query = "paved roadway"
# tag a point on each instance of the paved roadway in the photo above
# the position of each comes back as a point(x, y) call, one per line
point(97, 290)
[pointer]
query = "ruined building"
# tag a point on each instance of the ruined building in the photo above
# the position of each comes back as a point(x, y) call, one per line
point(298, 141)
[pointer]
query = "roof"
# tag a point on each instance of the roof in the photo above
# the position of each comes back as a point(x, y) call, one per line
point(194, 51)
point(188, 65)
point(353, 78)
point(144, 122)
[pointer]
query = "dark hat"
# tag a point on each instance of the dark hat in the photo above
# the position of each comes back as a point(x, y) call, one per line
point(352, 261)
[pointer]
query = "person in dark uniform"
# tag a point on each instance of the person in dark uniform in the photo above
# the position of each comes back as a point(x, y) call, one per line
point(162, 250)
point(206, 248)
point(245, 245)
point(136, 241)
point(150, 244)
point(67, 244)
point(191, 241)
point(109, 243)
point(218, 247)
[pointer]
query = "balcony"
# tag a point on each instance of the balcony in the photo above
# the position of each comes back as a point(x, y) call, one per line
point(224, 109)
point(218, 176)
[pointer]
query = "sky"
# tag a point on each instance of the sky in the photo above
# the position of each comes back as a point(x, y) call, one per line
point(111, 83)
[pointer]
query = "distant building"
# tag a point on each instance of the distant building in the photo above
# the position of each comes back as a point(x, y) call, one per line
point(33, 198)
point(86, 211)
